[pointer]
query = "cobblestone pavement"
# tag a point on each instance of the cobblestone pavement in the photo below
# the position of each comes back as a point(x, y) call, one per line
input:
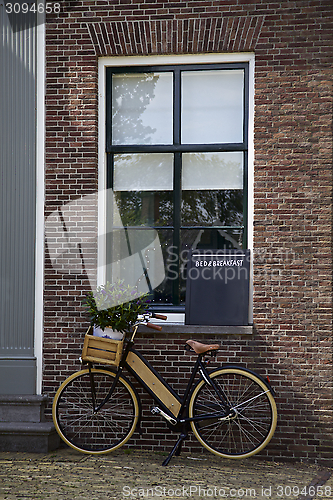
point(130, 474)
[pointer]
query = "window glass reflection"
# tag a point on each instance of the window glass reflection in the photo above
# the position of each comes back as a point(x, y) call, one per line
point(212, 106)
point(143, 186)
point(212, 189)
point(212, 170)
point(212, 208)
point(142, 108)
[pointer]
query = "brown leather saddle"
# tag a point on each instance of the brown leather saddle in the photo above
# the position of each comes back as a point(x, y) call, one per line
point(199, 348)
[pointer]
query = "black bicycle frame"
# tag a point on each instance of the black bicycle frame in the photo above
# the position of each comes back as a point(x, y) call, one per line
point(147, 372)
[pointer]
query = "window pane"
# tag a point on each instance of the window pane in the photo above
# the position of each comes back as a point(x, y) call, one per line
point(209, 238)
point(212, 170)
point(145, 208)
point(212, 185)
point(212, 106)
point(143, 186)
point(134, 255)
point(163, 294)
point(143, 172)
point(212, 208)
point(124, 260)
point(142, 108)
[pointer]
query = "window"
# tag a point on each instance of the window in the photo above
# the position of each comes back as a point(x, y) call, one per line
point(176, 143)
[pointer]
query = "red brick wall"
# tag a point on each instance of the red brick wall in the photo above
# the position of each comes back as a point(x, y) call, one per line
point(292, 42)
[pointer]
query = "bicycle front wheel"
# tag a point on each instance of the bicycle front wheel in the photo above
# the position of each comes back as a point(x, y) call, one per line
point(93, 432)
point(251, 426)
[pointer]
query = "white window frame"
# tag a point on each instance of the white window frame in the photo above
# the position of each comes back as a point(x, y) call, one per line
point(125, 61)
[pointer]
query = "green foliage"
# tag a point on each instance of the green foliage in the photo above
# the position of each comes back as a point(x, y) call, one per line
point(115, 305)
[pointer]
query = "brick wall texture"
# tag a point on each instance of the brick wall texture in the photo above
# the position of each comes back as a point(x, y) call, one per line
point(292, 43)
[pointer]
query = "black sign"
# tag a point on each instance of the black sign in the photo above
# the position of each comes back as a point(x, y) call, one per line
point(217, 287)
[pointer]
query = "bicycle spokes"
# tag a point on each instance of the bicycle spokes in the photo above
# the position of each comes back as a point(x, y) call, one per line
point(91, 429)
point(248, 426)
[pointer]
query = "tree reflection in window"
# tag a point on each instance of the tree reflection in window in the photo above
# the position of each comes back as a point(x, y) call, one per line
point(138, 102)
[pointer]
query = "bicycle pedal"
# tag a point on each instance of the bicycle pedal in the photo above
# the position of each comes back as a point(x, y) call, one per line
point(157, 411)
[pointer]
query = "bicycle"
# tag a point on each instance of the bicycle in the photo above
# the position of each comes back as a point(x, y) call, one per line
point(231, 410)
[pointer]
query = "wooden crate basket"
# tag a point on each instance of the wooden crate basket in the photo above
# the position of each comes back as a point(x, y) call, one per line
point(100, 350)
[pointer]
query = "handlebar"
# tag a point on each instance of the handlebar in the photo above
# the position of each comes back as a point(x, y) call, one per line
point(143, 319)
point(159, 316)
point(154, 327)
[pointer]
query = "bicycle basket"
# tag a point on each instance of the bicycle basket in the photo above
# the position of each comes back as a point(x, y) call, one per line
point(100, 350)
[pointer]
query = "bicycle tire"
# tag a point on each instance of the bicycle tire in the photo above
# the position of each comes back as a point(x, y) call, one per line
point(83, 429)
point(253, 424)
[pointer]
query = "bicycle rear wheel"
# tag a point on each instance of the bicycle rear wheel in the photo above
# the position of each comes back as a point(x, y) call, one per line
point(254, 420)
point(95, 432)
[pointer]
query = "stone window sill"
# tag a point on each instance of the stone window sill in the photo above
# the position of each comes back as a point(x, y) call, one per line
point(201, 329)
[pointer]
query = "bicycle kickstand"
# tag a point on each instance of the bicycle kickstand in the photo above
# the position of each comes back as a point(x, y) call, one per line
point(176, 449)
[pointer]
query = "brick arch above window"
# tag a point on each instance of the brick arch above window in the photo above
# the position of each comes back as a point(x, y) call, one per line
point(183, 36)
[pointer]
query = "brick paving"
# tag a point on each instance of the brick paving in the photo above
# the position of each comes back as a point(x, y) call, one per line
point(129, 474)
